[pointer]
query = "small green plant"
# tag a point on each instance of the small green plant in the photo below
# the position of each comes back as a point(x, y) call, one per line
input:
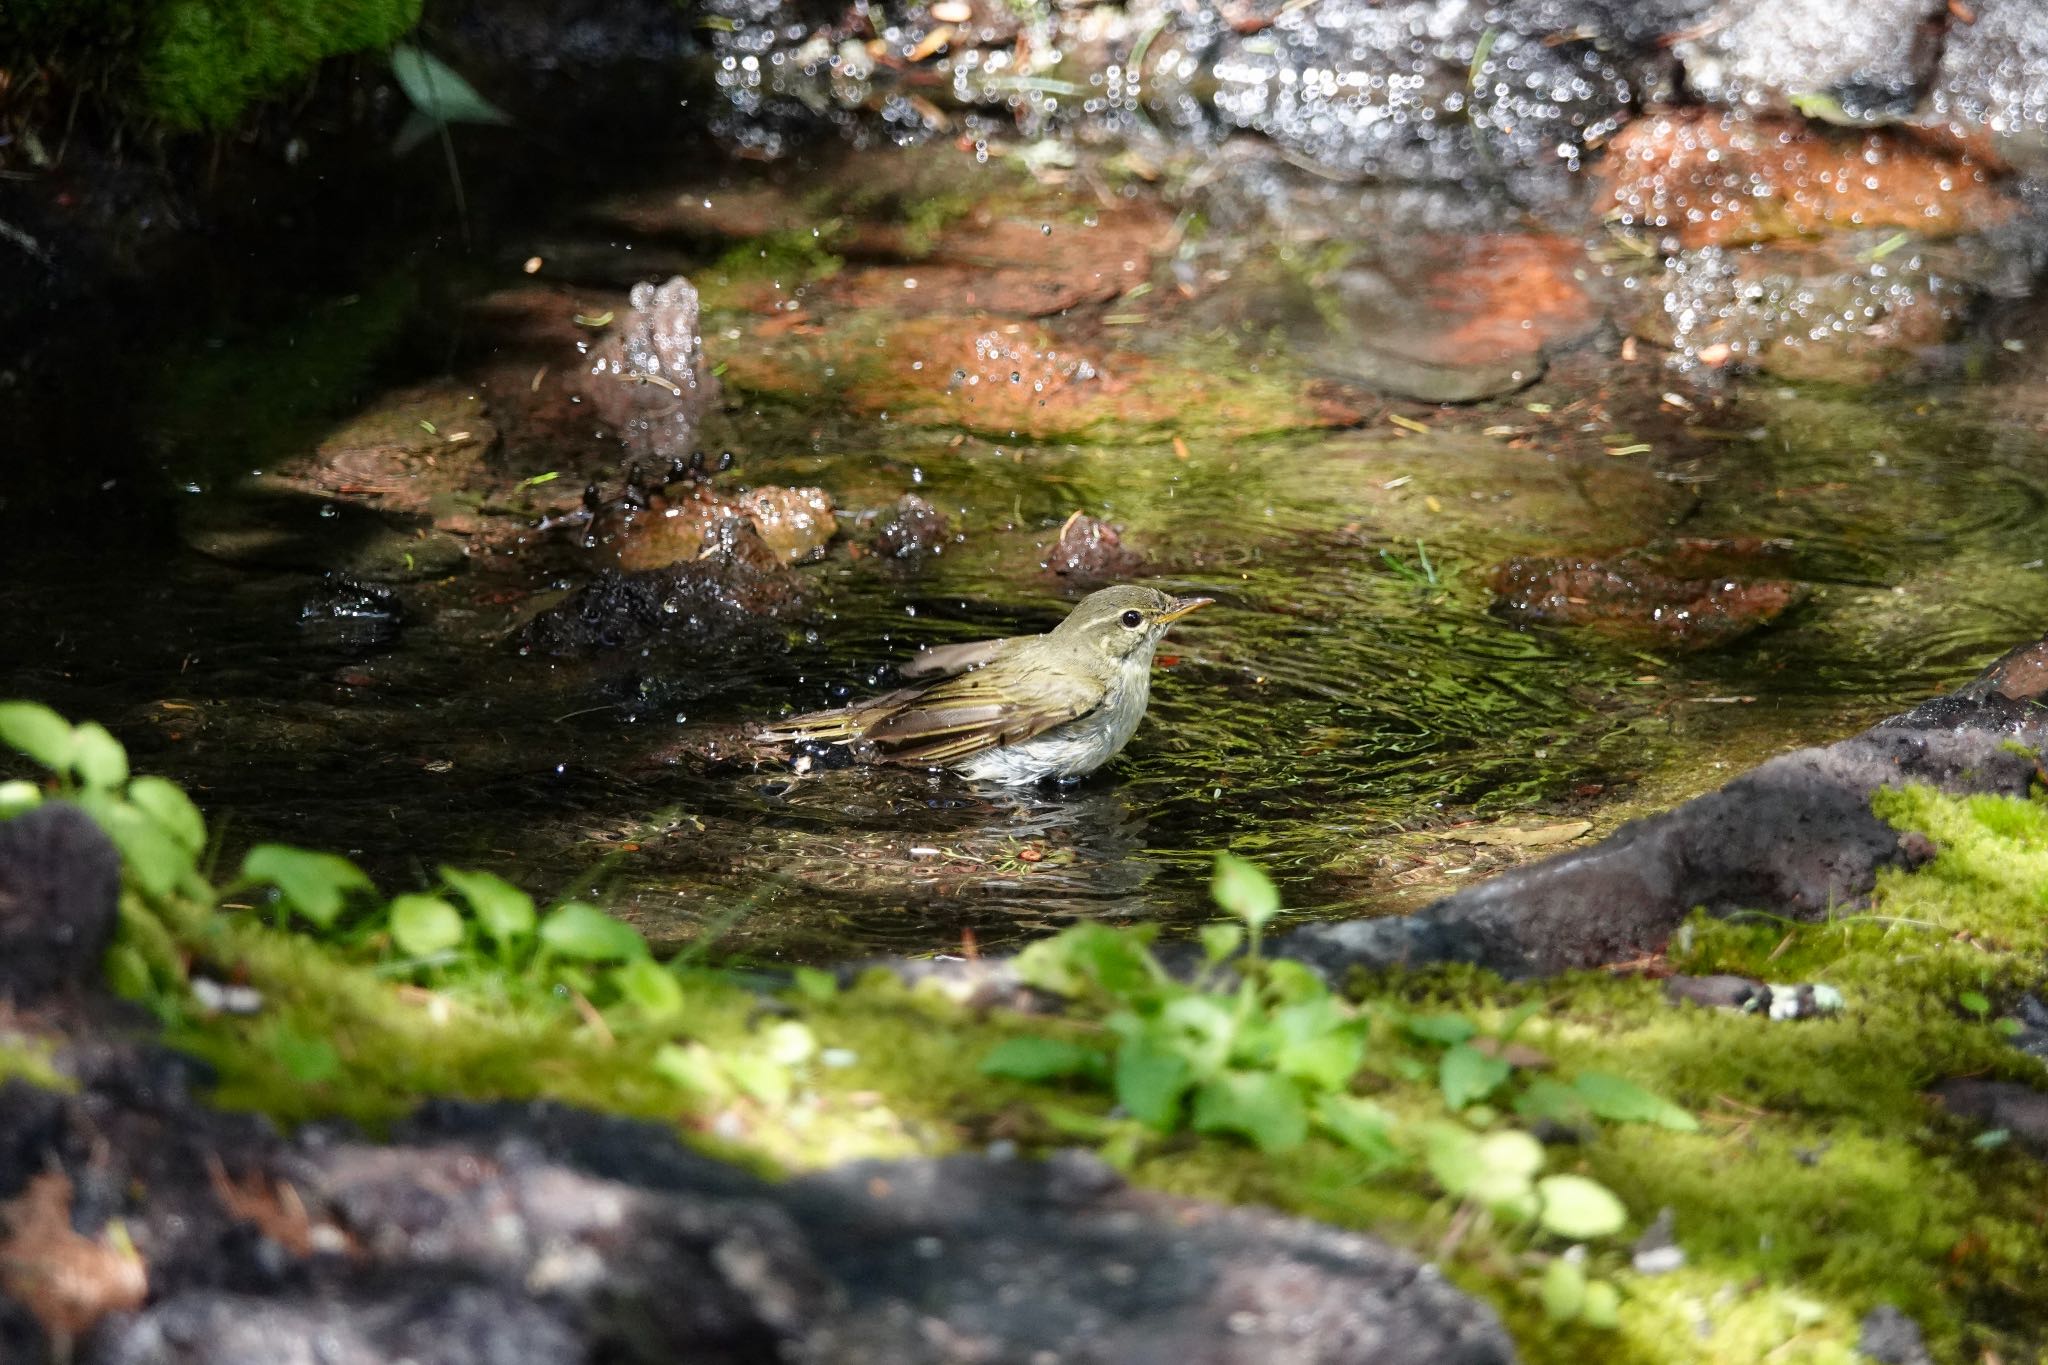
point(1260, 1048)
point(475, 939)
point(1422, 573)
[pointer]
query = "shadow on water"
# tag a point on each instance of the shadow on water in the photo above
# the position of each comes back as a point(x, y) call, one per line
point(1351, 694)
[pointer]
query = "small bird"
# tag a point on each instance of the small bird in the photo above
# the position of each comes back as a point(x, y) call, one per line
point(1017, 710)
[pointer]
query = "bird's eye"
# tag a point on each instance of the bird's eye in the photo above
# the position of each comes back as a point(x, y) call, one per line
point(1133, 619)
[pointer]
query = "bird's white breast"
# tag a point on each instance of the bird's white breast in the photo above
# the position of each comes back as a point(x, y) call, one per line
point(1080, 746)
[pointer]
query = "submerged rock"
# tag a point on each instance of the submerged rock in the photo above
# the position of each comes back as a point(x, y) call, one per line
point(1091, 551)
point(911, 529)
point(1633, 596)
point(712, 598)
point(648, 378)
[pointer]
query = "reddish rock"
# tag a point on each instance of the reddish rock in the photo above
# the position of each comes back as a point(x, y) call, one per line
point(911, 529)
point(1635, 596)
point(764, 527)
point(1724, 178)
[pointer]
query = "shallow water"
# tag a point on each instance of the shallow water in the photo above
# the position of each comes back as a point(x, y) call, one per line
point(1350, 696)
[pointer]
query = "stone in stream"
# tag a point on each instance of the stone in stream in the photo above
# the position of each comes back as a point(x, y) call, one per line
point(1090, 551)
point(677, 525)
point(911, 529)
point(1869, 58)
point(1992, 85)
point(1637, 597)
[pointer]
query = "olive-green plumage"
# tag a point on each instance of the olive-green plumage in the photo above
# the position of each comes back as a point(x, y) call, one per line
point(1016, 710)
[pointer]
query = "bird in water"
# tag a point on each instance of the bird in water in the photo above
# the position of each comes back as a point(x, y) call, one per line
point(1017, 710)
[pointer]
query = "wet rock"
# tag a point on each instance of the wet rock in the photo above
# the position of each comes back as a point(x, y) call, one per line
point(648, 377)
point(1630, 597)
point(1707, 177)
point(1829, 313)
point(728, 592)
point(1795, 835)
point(2020, 1110)
point(280, 529)
point(1867, 58)
point(1443, 318)
point(911, 529)
point(1993, 81)
point(1091, 551)
point(1404, 92)
point(1889, 1337)
point(762, 527)
point(411, 450)
point(350, 614)
point(794, 523)
point(1720, 993)
point(60, 879)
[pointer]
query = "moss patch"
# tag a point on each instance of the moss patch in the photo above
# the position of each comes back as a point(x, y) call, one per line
point(1820, 1185)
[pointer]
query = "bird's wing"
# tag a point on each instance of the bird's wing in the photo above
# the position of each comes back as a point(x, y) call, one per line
point(946, 661)
point(954, 717)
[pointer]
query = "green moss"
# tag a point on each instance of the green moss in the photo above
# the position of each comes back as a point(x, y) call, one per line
point(196, 63)
point(211, 58)
point(1820, 1184)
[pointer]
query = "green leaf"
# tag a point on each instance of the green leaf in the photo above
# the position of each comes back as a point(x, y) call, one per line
point(97, 757)
point(1042, 1059)
point(1202, 1029)
point(166, 804)
point(1446, 1029)
point(1257, 1104)
point(1564, 1289)
point(1220, 940)
point(32, 729)
point(815, 985)
point(314, 884)
point(579, 930)
point(19, 798)
point(1150, 1082)
point(692, 1067)
point(1495, 1169)
point(1975, 1002)
point(1545, 1098)
point(503, 911)
point(1603, 1306)
point(1619, 1100)
point(1361, 1125)
point(148, 856)
point(422, 926)
point(1578, 1208)
point(1466, 1074)
point(306, 1058)
point(436, 91)
point(1114, 961)
point(650, 988)
point(1242, 889)
point(1318, 1045)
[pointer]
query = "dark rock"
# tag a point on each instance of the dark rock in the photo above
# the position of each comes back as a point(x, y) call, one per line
point(274, 529)
point(1872, 57)
point(1090, 550)
point(1993, 80)
point(711, 600)
point(2019, 1110)
point(1795, 835)
point(60, 885)
point(532, 1234)
point(1720, 992)
point(1891, 1338)
point(911, 529)
point(1404, 92)
point(350, 615)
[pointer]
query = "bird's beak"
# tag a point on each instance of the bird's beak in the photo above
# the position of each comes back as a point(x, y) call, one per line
point(1182, 606)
